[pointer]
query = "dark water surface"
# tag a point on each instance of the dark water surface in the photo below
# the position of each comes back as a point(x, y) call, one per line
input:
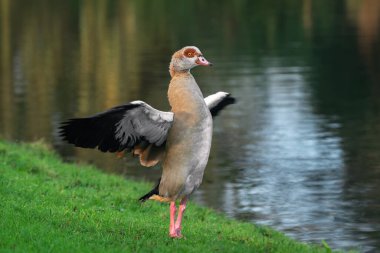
point(300, 152)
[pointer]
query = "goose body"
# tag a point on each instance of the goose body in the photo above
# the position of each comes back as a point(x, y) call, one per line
point(180, 140)
point(189, 139)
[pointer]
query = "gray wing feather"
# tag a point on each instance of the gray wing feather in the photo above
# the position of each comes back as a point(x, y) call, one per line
point(144, 122)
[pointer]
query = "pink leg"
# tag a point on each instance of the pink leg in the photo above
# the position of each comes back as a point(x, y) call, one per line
point(182, 207)
point(172, 231)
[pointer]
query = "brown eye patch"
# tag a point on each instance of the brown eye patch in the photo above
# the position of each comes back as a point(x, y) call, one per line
point(190, 52)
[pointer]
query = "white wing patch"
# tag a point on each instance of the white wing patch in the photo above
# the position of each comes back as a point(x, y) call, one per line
point(214, 99)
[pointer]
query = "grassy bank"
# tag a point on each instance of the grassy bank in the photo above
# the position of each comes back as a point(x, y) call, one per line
point(51, 206)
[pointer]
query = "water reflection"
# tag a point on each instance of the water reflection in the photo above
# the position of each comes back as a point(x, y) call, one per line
point(299, 152)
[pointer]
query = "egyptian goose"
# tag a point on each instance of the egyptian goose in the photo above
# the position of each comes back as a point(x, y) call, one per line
point(180, 139)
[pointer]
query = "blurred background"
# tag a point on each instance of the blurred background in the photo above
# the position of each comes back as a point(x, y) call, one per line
point(299, 152)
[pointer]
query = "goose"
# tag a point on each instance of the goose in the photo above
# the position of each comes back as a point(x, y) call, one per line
point(180, 139)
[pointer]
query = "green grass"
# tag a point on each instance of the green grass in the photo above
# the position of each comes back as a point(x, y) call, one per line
point(47, 205)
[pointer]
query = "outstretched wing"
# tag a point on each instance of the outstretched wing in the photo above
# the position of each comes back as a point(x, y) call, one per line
point(135, 127)
point(127, 127)
point(216, 102)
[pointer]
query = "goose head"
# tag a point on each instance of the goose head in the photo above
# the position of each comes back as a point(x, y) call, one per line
point(187, 58)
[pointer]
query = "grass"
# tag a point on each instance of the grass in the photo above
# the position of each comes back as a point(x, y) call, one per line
point(47, 205)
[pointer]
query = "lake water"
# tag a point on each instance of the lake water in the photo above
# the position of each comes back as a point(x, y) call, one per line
point(299, 152)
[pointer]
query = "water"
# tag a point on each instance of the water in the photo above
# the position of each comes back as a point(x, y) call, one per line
point(299, 152)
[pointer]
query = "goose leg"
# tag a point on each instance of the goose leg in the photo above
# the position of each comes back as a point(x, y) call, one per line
point(172, 231)
point(182, 207)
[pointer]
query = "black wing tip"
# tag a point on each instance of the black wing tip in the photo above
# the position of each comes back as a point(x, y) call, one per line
point(230, 99)
point(144, 198)
point(154, 191)
point(95, 131)
point(227, 100)
point(148, 195)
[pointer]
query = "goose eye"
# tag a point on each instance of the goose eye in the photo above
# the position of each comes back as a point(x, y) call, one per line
point(189, 53)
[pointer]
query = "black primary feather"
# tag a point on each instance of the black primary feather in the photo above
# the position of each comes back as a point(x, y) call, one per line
point(97, 130)
point(154, 191)
point(227, 100)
